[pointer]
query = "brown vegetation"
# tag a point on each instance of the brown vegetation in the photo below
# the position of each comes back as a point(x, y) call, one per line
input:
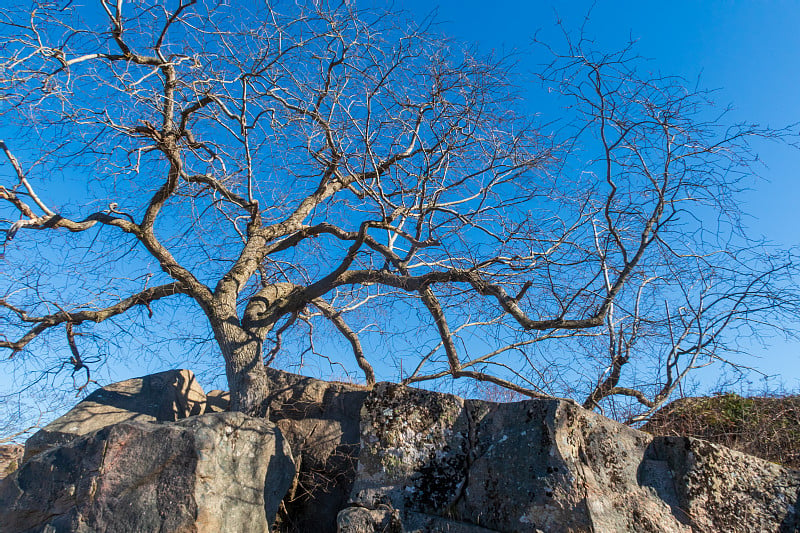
point(767, 427)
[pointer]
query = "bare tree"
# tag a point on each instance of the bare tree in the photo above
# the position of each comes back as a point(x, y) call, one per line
point(284, 168)
point(666, 229)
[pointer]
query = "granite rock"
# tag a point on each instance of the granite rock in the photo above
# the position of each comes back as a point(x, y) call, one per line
point(216, 472)
point(442, 463)
point(166, 396)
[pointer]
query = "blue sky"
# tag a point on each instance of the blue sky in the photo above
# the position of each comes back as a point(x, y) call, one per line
point(746, 51)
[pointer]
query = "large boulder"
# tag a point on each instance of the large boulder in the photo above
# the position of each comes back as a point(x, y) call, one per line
point(715, 488)
point(165, 397)
point(206, 474)
point(320, 420)
point(435, 462)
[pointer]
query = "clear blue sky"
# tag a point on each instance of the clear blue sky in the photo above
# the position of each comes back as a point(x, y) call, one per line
point(746, 50)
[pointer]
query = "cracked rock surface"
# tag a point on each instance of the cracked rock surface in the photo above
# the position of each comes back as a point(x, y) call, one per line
point(416, 461)
point(436, 462)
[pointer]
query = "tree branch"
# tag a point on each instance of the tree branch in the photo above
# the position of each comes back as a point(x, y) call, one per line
point(336, 317)
point(46, 322)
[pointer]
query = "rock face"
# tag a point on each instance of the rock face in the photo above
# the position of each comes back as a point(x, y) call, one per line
point(393, 459)
point(435, 462)
point(719, 489)
point(10, 457)
point(321, 422)
point(166, 396)
point(216, 472)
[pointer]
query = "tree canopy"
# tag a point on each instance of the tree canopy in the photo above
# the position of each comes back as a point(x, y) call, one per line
point(282, 175)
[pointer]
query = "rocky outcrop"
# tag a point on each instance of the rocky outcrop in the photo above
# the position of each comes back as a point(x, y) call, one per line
point(435, 462)
point(320, 420)
point(166, 396)
point(393, 459)
point(206, 474)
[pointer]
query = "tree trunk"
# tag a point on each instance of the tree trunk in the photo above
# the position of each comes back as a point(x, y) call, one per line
point(244, 367)
point(241, 344)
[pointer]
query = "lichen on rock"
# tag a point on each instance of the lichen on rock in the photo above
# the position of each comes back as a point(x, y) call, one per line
point(442, 463)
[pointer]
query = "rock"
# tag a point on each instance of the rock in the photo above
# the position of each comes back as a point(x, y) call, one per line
point(363, 520)
point(387, 520)
point(427, 462)
point(10, 457)
point(447, 464)
point(218, 401)
point(211, 473)
point(166, 396)
point(720, 489)
point(321, 422)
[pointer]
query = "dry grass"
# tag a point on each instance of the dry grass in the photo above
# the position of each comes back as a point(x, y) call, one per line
point(767, 427)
